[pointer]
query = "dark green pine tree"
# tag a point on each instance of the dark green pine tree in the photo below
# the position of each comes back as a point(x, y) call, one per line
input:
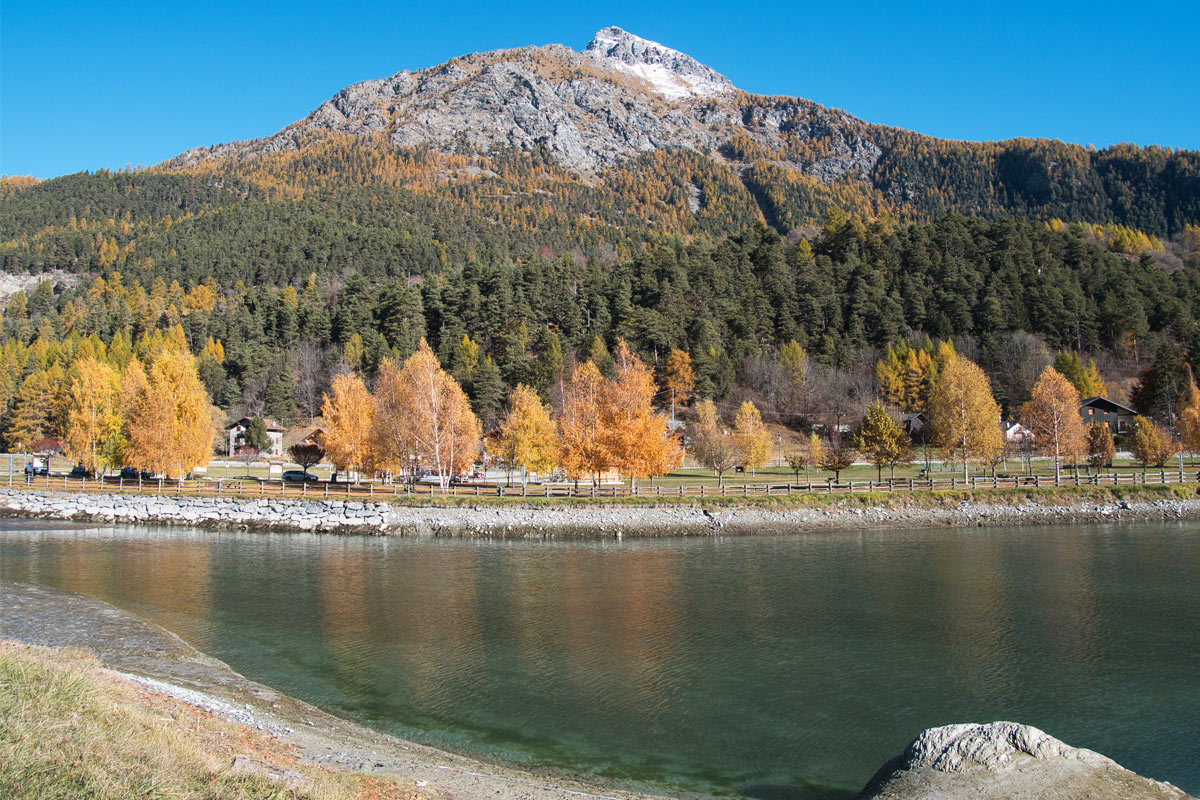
point(287, 326)
point(400, 317)
point(255, 435)
point(352, 313)
point(487, 392)
point(280, 400)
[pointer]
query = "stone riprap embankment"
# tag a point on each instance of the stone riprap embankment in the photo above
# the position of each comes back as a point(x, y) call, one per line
point(567, 521)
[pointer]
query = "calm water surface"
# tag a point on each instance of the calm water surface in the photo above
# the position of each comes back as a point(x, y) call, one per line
point(770, 666)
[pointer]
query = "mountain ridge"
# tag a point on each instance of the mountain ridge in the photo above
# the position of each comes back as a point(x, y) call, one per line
point(623, 98)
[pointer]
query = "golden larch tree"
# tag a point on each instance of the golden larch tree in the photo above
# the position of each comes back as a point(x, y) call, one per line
point(1052, 413)
point(95, 419)
point(583, 450)
point(679, 379)
point(816, 449)
point(169, 428)
point(882, 440)
point(528, 438)
point(349, 413)
point(1187, 415)
point(964, 416)
point(639, 441)
point(753, 441)
point(33, 407)
point(1150, 444)
point(1100, 445)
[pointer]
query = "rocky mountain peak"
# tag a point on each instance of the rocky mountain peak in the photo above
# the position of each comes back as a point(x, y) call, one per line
point(621, 97)
point(673, 74)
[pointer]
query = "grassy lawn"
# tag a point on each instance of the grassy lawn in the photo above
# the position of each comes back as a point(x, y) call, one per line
point(70, 729)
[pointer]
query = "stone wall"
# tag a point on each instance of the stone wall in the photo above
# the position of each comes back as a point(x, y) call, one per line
point(569, 520)
point(268, 513)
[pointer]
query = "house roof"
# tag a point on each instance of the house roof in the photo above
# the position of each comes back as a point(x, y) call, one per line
point(1108, 405)
point(271, 424)
point(298, 435)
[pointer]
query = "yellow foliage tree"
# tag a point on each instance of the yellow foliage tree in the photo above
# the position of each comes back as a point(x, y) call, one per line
point(583, 450)
point(348, 414)
point(32, 409)
point(1150, 444)
point(964, 416)
point(528, 438)
point(1052, 413)
point(753, 441)
point(426, 418)
point(95, 421)
point(638, 441)
point(1188, 417)
point(712, 446)
point(882, 440)
point(679, 378)
point(170, 428)
point(816, 450)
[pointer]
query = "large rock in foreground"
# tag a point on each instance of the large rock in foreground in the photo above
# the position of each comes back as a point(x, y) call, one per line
point(1006, 760)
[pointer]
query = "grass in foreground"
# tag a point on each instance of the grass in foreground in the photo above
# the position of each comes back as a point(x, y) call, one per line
point(70, 729)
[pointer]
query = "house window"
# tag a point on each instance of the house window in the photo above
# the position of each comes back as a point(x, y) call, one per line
point(1122, 426)
point(1091, 411)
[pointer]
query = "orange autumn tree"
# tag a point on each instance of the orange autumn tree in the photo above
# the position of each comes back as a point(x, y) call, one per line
point(1052, 413)
point(583, 449)
point(348, 414)
point(638, 440)
point(679, 379)
point(423, 417)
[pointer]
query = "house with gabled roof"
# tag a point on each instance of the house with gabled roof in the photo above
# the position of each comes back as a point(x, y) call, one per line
point(1118, 417)
point(235, 434)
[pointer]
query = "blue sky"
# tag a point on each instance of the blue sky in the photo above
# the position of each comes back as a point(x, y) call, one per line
point(92, 85)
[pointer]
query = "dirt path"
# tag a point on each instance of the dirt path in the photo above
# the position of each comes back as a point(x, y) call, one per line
point(162, 662)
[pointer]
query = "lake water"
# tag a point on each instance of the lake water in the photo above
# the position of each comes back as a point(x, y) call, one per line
point(773, 666)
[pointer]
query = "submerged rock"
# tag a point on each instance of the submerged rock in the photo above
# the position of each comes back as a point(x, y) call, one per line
point(1006, 760)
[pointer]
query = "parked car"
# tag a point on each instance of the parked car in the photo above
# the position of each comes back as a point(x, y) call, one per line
point(80, 471)
point(36, 469)
point(299, 476)
point(132, 474)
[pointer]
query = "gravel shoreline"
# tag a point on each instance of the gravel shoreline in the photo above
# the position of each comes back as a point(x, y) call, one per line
point(581, 521)
point(161, 662)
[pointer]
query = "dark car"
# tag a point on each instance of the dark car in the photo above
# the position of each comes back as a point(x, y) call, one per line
point(80, 471)
point(299, 476)
point(35, 469)
point(132, 474)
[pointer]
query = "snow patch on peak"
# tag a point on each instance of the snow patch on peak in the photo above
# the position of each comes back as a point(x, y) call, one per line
point(673, 74)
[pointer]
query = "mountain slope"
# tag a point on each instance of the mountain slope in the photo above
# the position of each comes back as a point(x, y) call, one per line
point(622, 97)
point(547, 151)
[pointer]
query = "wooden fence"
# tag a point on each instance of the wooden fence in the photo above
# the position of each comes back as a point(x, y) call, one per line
point(249, 488)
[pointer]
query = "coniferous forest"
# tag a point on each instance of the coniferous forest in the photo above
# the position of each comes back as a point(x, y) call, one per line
point(284, 271)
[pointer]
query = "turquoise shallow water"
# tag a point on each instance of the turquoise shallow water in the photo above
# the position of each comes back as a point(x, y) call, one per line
point(776, 667)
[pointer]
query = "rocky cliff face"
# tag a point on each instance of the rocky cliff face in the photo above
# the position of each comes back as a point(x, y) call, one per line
point(619, 97)
point(1010, 761)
